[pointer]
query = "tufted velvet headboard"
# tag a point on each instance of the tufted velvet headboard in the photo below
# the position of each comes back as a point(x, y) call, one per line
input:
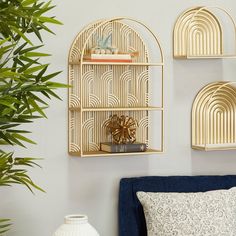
point(131, 216)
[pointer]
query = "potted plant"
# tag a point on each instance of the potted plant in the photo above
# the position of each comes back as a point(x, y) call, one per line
point(25, 84)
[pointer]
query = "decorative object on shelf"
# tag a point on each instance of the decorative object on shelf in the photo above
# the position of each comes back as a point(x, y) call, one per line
point(198, 33)
point(104, 52)
point(104, 46)
point(76, 225)
point(100, 89)
point(110, 58)
point(214, 117)
point(122, 129)
point(128, 147)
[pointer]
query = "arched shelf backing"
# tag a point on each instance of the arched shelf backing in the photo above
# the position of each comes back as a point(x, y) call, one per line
point(101, 88)
point(214, 117)
point(198, 33)
point(88, 37)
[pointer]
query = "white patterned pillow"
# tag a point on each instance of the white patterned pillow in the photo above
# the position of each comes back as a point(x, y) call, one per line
point(211, 213)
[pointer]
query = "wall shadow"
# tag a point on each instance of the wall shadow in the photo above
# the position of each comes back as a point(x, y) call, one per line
point(213, 162)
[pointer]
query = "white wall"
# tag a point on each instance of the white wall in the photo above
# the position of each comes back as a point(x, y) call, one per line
point(90, 186)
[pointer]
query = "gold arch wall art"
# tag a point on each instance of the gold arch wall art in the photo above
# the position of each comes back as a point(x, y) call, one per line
point(102, 88)
point(214, 117)
point(198, 33)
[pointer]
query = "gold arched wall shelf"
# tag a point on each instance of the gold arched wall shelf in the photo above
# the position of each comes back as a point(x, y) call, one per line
point(101, 89)
point(214, 117)
point(198, 33)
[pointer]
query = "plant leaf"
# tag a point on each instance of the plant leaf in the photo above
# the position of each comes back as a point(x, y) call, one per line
point(36, 54)
point(49, 20)
point(8, 104)
point(56, 85)
point(36, 31)
point(21, 34)
point(30, 49)
point(4, 40)
point(4, 226)
point(23, 138)
point(50, 76)
point(26, 3)
point(19, 48)
point(36, 107)
point(34, 69)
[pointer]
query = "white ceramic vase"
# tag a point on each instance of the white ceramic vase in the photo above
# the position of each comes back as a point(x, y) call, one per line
point(76, 225)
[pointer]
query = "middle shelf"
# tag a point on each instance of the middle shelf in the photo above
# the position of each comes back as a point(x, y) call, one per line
point(148, 108)
point(118, 63)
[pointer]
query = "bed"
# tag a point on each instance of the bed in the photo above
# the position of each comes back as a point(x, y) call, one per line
point(131, 216)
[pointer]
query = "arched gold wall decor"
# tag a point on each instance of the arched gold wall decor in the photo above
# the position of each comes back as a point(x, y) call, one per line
point(198, 33)
point(214, 117)
point(100, 89)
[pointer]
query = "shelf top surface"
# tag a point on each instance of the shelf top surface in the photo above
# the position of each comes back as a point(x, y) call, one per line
point(118, 63)
point(116, 108)
point(206, 57)
point(218, 146)
point(102, 153)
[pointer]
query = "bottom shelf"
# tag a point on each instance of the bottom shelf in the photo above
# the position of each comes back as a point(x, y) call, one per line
point(103, 154)
point(215, 147)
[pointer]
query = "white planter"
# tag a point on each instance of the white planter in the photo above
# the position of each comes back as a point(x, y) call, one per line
point(76, 225)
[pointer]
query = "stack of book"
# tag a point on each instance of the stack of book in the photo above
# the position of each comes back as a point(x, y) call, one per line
point(110, 58)
point(116, 148)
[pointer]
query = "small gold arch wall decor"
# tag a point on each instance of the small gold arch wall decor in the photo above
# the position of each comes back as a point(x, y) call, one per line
point(198, 33)
point(101, 89)
point(214, 117)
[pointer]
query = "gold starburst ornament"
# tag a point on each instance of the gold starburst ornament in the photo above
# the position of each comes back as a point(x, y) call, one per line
point(122, 129)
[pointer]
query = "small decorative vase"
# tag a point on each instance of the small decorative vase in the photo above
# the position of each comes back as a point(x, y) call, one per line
point(76, 225)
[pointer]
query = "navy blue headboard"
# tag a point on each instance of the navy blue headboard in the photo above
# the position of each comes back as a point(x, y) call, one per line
point(131, 216)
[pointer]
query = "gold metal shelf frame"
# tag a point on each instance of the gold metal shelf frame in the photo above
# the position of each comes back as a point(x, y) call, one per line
point(101, 89)
point(198, 34)
point(214, 117)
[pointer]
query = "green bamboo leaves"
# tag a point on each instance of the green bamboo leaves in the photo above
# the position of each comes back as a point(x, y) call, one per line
point(23, 79)
point(13, 171)
point(25, 84)
point(4, 225)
